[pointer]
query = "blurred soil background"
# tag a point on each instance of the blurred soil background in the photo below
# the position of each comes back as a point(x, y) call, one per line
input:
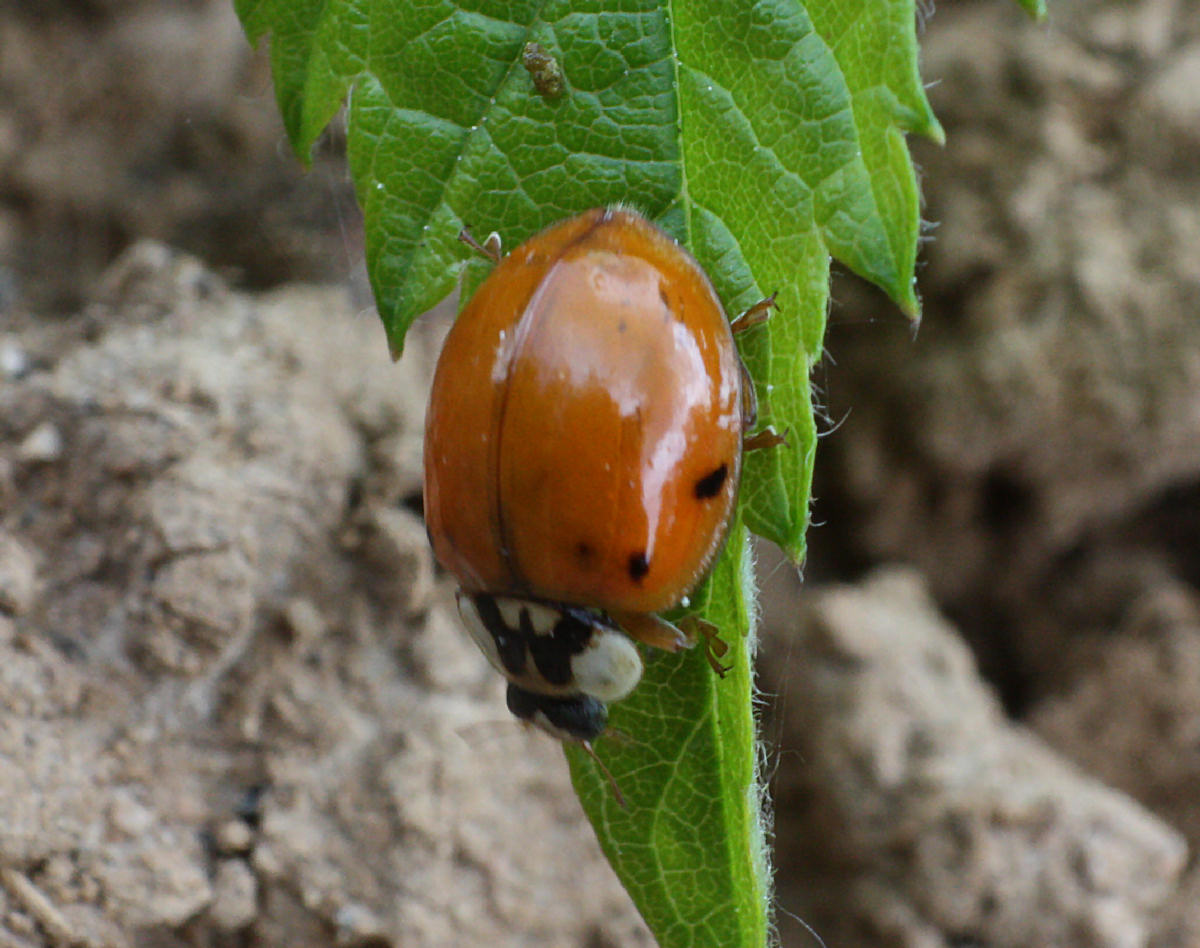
point(235, 706)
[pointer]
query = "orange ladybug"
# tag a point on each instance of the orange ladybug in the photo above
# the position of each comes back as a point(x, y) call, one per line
point(583, 448)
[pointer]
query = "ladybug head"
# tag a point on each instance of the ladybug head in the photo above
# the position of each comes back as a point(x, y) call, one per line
point(574, 718)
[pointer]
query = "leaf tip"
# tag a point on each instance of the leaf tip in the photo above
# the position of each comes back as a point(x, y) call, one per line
point(395, 338)
point(796, 551)
point(904, 294)
point(923, 121)
point(910, 305)
point(303, 152)
point(933, 130)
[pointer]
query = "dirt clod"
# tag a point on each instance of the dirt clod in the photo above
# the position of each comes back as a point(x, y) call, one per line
point(920, 815)
point(213, 696)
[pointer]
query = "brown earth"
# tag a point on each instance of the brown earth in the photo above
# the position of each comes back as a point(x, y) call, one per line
point(235, 708)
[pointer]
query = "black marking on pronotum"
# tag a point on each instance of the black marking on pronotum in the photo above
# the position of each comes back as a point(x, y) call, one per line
point(711, 483)
point(575, 629)
point(510, 645)
point(639, 566)
point(662, 295)
point(579, 716)
point(525, 624)
point(552, 653)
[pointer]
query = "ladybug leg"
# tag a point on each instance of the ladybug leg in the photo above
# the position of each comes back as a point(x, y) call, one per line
point(490, 247)
point(715, 647)
point(767, 438)
point(670, 637)
point(756, 315)
point(749, 398)
point(654, 631)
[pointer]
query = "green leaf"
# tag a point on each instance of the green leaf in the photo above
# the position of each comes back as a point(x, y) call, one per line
point(792, 141)
point(766, 135)
point(689, 844)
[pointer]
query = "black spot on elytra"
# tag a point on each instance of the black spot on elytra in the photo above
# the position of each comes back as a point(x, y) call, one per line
point(510, 644)
point(639, 566)
point(711, 483)
point(585, 552)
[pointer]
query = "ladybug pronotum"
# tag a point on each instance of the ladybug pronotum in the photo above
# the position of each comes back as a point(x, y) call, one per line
point(583, 448)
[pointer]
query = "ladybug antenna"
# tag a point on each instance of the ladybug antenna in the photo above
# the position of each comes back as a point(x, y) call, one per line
point(612, 781)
